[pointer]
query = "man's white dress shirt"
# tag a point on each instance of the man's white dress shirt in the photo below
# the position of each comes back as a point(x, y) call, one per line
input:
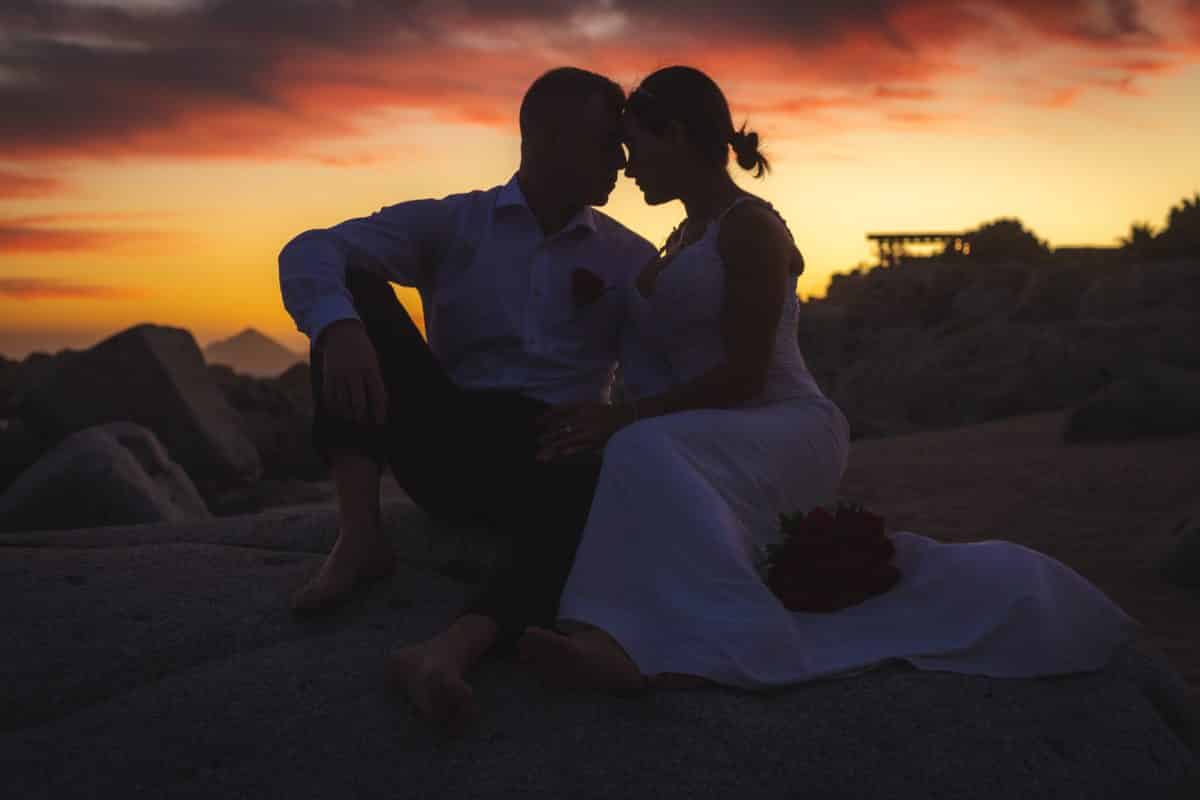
point(497, 293)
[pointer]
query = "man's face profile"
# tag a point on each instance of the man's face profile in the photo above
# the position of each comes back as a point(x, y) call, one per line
point(588, 151)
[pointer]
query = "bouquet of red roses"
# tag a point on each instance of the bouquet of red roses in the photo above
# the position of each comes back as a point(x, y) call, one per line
point(829, 561)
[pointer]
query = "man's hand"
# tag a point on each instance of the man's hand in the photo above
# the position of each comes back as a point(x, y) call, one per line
point(353, 384)
point(573, 428)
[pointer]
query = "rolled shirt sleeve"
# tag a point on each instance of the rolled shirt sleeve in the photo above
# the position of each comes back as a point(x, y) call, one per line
point(402, 243)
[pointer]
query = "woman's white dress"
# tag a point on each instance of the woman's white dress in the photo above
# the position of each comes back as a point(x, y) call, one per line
point(687, 502)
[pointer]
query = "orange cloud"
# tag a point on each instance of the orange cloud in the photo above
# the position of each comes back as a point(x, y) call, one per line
point(1062, 98)
point(279, 78)
point(16, 185)
point(919, 118)
point(48, 289)
point(59, 234)
point(904, 93)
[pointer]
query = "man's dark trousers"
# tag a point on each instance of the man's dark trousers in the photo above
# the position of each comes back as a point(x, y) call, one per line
point(466, 456)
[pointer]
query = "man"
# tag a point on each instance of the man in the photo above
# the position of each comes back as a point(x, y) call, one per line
point(521, 286)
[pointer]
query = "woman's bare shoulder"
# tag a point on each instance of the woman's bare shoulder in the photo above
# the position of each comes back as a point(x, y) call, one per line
point(753, 229)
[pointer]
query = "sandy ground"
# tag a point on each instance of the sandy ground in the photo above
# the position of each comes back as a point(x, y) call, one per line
point(1106, 510)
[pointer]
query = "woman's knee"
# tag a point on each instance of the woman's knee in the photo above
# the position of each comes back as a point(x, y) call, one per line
point(635, 444)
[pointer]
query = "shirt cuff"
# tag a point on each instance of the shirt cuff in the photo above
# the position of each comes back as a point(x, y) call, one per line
point(327, 311)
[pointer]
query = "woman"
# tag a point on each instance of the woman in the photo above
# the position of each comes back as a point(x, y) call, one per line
point(726, 430)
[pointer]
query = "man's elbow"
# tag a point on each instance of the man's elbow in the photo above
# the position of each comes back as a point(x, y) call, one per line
point(294, 250)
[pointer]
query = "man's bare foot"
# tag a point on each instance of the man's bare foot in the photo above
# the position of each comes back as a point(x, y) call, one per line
point(589, 659)
point(349, 565)
point(434, 682)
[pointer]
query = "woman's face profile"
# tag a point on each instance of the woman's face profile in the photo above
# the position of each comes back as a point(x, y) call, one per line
point(650, 162)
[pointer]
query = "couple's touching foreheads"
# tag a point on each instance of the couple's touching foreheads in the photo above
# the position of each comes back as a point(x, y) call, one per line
point(635, 523)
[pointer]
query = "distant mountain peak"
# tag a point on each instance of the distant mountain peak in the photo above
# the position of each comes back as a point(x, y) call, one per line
point(252, 352)
point(249, 334)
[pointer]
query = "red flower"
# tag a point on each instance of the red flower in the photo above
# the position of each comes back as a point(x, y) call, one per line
point(586, 288)
point(831, 561)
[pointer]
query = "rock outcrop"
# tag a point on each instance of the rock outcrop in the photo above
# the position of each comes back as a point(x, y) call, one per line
point(1152, 399)
point(941, 342)
point(19, 448)
point(276, 413)
point(107, 475)
point(156, 377)
point(166, 623)
point(917, 379)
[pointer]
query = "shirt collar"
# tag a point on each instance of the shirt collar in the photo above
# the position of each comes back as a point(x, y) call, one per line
point(511, 196)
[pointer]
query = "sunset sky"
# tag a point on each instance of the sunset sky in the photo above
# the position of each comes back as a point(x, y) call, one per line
point(156, 154)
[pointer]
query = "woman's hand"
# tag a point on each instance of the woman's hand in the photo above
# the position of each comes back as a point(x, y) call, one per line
point(572, 428)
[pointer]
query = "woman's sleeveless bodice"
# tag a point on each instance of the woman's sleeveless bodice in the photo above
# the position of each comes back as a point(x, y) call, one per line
point(679, 327)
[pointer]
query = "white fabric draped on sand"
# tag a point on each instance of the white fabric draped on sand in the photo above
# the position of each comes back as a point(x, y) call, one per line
point(666, 566)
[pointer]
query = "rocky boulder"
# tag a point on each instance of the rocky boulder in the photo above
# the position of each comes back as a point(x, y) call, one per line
point(206, 687)
point(979, 301)
point(277, 415)
point(154, 376)
point(1117, 293)
point(1051, 292)
point(1151, 399)
point(18, 377)
point(107, 475)
point(19, 448)
point(921, 380)
point(8, 369)
point(1173, 284)
point(296, 385)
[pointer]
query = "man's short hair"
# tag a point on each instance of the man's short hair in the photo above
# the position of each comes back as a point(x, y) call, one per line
point(560, 94)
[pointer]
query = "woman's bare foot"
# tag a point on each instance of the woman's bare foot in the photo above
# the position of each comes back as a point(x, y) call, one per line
point(590, 659)
point(434, 682)
point(351, 563)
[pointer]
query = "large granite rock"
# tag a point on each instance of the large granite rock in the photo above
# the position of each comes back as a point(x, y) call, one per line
point(18, 377)
point(19, 449)
point(1150, 400)
point(296, 385)
point(8, 372)
point(277, 415)
point(156, 377)
point(147, 661)
point(107, 475)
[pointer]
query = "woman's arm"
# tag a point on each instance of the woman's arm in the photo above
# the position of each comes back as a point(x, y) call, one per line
point(757, 251)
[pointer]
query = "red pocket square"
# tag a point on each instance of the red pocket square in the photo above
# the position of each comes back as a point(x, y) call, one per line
point(586, 287)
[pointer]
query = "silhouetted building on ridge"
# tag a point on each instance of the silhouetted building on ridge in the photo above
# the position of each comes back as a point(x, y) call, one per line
point(891, 247)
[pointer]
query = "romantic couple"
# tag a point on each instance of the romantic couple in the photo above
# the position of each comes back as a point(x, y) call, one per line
point(635, 525)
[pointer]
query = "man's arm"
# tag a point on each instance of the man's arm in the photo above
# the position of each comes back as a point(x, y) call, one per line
point(401, 243)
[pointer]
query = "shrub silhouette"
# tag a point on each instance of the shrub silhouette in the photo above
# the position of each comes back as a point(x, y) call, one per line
point(1141, 240)
point(1181, 237)
point(1003, 240)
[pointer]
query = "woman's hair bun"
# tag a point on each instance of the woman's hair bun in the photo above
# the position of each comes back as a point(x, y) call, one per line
point(745, 147)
